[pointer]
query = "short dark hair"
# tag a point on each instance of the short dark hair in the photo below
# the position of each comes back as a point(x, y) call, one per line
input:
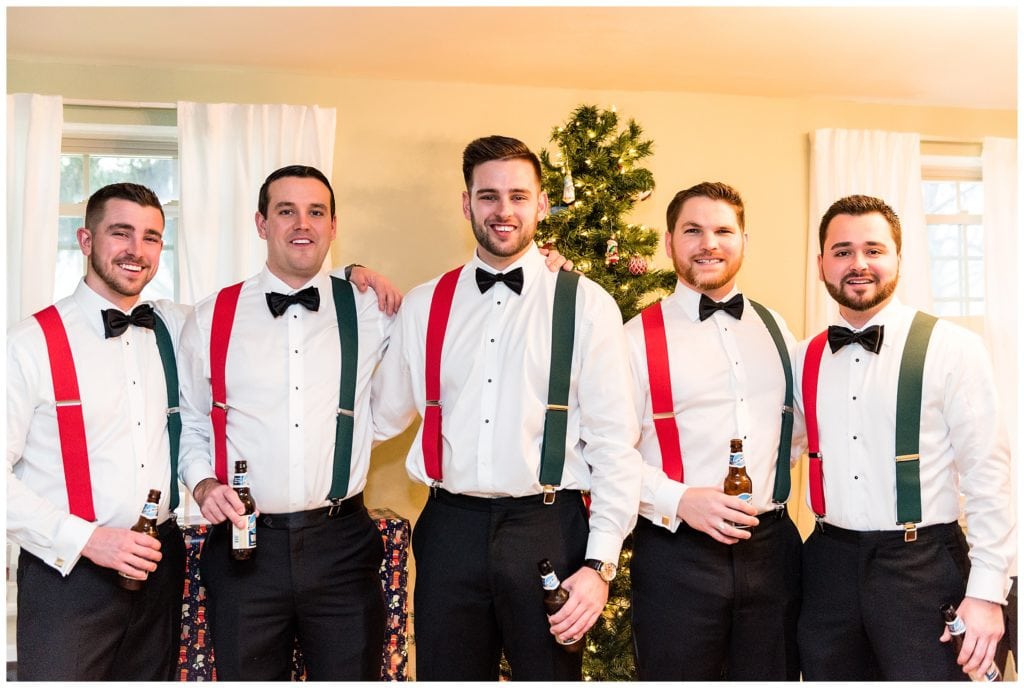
point(716, 191)
point(495, 147)
point(858, 204)
point(291, 171)
point(125, 191)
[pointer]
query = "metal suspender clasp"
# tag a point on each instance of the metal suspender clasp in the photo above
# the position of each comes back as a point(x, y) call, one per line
point(434, 486)
point(549, 494)
point(68, 402)
point(819, 522)
point(907, 457)
point(221, 406)
point(433, 402)
point(172, 410)
point(335, 507)
point(345, 412)
point(787, 410)
point(909, 532)
point(662, 416)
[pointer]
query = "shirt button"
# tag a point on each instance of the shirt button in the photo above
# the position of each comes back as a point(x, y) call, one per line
point(296, 351)
point(854, 437)
point(296, 425)
point(855, 398)
point(492, 341)
point(486, 420)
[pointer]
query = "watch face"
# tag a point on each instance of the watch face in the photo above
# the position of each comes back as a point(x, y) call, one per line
point(608, 571)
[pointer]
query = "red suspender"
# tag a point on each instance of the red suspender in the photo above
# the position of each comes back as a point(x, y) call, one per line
point(220, 335)
point(437, 324)
point(812, 366)
point(70, 424)
point(661, 391)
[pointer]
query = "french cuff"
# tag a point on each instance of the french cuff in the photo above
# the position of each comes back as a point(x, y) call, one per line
point(197, 473)
point(989, 585)
point(666, 504)
point(67, 548)
point(603, 547)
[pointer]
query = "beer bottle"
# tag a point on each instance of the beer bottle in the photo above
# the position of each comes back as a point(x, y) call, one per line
point(737, 483)
point(243, 540)
point(957, 628)
point(146, 524)
point(555, 597)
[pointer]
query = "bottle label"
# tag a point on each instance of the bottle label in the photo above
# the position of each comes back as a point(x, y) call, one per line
point(957, 626)
point(549, 581)
point(992, 674)
point(149, 510)
point(736, 460)
point(746, 497)
point(240, 480)
point(244, 538)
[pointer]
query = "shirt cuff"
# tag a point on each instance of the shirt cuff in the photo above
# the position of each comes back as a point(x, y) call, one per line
point(984, 584)
point(67, 548)
point(604, 547)
point(197, 473)
point(666, 504)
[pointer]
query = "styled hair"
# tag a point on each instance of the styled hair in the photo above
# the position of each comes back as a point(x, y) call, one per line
point(125, 191)
point(490, 148)
point(861, 205)
point(304, 171)
point(716, 191)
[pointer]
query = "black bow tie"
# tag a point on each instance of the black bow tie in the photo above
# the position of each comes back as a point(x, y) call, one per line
point(513, 278)
point(278, 303)
point(870, 338)
point(708, 306)
point(115, 322)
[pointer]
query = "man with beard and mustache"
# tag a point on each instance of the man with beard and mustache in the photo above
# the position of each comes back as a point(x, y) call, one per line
point(709, 369)
point(87, 438)
point(479, 343)
point(887, 474)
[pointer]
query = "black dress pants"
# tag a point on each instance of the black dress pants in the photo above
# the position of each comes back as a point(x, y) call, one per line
point(706, 611)
point(478, 591)
point(314, 578)
point(85, 627)
point(871, 604)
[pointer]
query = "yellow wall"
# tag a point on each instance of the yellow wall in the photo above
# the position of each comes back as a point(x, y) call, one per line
point(398, 179)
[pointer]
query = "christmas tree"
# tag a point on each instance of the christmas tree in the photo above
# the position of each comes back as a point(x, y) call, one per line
point(593, 179)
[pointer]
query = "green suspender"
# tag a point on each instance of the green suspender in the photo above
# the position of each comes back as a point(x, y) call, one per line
point(563, 333)
point(908, 424)
point(166, 348)
point(782, 484)
point(348, 333)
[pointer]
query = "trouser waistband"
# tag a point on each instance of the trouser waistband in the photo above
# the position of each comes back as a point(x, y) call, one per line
point(885, 537)
point(488, 503)
point(312, 517)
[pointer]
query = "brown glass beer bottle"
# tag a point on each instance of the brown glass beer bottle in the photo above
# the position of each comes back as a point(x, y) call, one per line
point(555, 597)
point(243, 540)
point(146, 524)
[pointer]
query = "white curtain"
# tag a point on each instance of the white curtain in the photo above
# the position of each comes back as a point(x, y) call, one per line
point(226, 151)
point(34, 125)
point(875, 163)
point(999, 175)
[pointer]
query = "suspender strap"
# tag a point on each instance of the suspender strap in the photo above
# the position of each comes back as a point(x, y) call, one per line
point(782, 479)
point(348, 332)
point(815, 477)
point(220, 336)
point(660, 381)
point(563, 334)
point(70, 423)
point(908, 420)
point(166, 348)
point(437, 324)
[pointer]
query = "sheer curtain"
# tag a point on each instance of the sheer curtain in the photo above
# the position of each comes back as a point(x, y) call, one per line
point(999, 174)
point(226, 151)
point(34, 126)
point(874, 163)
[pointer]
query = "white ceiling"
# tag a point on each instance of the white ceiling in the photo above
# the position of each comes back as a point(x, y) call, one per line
point(942, 56)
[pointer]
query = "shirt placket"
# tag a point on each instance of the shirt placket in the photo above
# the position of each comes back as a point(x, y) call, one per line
point(856, 411)
point(493, 344)
point(136, 408)
point(737, 375)
point(296, 408)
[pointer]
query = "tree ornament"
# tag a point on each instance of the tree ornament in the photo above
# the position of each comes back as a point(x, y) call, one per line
point(568, 189)
point(637, 265)
point(611, 252)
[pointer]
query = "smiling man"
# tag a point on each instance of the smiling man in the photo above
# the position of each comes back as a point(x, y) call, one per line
point(907, 421)
point(710, 368)
point(515, 428)
point(275, 372)
point(87, 438)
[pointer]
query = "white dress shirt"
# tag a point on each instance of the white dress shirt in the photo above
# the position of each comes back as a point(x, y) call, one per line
point(282, 378)
point(964, 446)
point(494, 386)
point(727, 382)
point(124, 405)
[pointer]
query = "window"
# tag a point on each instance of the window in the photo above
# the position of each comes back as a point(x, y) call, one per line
point(954, 202)
point(93, 156)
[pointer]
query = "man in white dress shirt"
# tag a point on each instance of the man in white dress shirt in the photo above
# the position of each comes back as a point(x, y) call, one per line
point(315, 572)
point(726, 569)
point(490, 515)
point(888, 551)
point(75, 487)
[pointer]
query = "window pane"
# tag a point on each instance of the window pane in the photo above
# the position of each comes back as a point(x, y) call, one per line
point(939, 198)
point(947, 308)
point(975, 240)
point(946, 278)
point(975, 279)
point(159, 174)
point(976, 308)
point(70, 268)
point(72, 178)
point(972, 197)
point(944, 240)
point(67, 233)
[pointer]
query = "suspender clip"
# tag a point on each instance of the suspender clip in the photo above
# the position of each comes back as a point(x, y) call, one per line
point(909, 532)
point(433, 402)
point(907, 457)
point(172, 410)
point(346, 412)
point(662, 416)
point(549, 494)
point(222, 406)
point(557, 407)
point(434, 485)
point(787, 410)
point(819, 522)
point(68, 402)
point(335, 507)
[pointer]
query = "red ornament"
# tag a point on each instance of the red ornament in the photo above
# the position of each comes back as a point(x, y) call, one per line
point(637, 265)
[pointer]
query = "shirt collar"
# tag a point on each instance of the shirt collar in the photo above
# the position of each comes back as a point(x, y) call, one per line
point(889, 315)
point(92, 304)
point(268, 281)
point(532, 262)
point(688, 299)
